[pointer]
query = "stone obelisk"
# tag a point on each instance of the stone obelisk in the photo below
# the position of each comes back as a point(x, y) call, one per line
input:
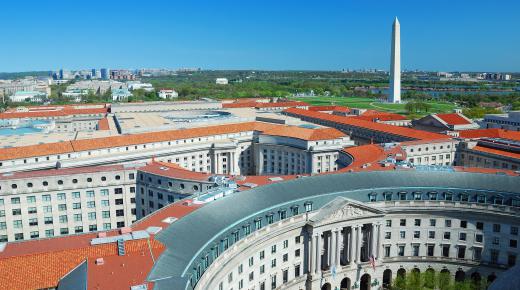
point(395, 64)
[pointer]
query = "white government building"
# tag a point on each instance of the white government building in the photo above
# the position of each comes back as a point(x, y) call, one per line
point(323, 232)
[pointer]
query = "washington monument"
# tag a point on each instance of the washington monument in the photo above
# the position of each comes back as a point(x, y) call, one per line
point(395, 64)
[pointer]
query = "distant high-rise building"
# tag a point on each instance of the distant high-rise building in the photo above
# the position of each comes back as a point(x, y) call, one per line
point(104, 74)
point(395, 64)
point(93, 74)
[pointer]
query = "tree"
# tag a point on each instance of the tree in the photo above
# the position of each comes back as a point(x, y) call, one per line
point(430, 280)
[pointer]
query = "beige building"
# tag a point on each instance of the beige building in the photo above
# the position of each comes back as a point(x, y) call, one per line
point(57, 202)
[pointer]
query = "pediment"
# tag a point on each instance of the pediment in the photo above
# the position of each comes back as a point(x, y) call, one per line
point(341, 209)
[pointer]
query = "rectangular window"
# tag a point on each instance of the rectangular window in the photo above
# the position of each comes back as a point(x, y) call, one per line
point(104, 192)
point(46, 197)
point(446, 251)
point(496, 228)
point(92, 216)
point(63, 219)
point(90, 193)
point(76, 195)
point(48, 220)
point(76, 205)
point(61, 196)
point(78, 217)
point(31, 199)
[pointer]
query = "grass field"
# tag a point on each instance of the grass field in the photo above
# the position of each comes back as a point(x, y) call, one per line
point(368, 103)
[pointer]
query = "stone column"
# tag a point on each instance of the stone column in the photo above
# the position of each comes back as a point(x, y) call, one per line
point(378, 240)
point(351, 245)
point(217, 163)
point(333, 247)
point(373, 246)
point(318, 253)
point(312, 253)
point(338, 248)
point(359, 234)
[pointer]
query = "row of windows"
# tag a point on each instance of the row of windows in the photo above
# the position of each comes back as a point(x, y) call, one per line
point(63, 196)
point(448, 196)
point(246, 230)
point(63, 231)
point(261, 269)
point(461, 252)
point(131, 176)
point(448, 224)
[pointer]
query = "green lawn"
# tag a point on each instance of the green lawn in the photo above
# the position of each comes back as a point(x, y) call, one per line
point(368, 103)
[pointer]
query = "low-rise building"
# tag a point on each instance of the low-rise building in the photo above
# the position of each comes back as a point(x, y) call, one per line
point(120, 94)
point(221, 81)
point(509, 121)
point(168, 94)
point(445, 122)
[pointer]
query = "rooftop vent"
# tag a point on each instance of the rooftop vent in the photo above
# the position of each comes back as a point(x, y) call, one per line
point(275, 178)
point(169, 220)
point(100, 261)
point(163, 168)
point(121, 247)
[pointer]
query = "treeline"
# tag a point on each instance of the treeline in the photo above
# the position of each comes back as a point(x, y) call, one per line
point(431, 280)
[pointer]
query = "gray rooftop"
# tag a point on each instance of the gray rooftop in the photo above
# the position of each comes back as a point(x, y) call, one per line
point(190, 238)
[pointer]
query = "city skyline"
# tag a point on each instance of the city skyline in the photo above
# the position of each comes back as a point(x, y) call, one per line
point(272, 37)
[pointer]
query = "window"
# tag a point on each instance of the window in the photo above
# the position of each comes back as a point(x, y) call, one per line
point(297, 253)
point(388, 235)
point(433, 222)
point(431, 234)
point(297, 271)
point(415, 250)
point(92, 216)
point(480, 226)
point(430, 250)
point(461, 252)
point(402, 222)
point(90, 193)
point(273, 249)
point(477, 253)
point(118, 190)
point(61, 196)
point(31, 199)
point(282, 214)
point(416, 234)
point(258, 223)
point(76, 205)
point(64, 231)
point(270, 218)
point(104, 192)
point(47, 209)
point(63, 219)
point(417, 196)
point(17, 211)
point(273, 263)
point(514, 231)
point(294, 210)
point(388, 223)
point(402, 234)
point(18, 236)
point(513, 243)
point(105, 214)
point(49, 233)
point(15, 200)
point(372, 197)
point(447, 235)
point(447, 223)
point(464, 224)
point(76, 195)
point(285, 244)
point(262, 255)
point(387, 251)
point(247, 230)
point(119, 201)
point(496, 228)
point(479, 238)
point(105, 202)
point(494, 256)
point(308, 206)
point(91, 204)
point(120, 212)
point(446, 251)
point(78, 229)
point(77, 217)
point(35, 235)
point(417, 222)
point(400, 251)
point(511, 260)
point(462, 236)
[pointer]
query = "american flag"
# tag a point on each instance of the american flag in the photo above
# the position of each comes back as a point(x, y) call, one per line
point(373, 262)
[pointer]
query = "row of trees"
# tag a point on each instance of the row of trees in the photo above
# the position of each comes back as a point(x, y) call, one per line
point(417, 107)
point(431, 280)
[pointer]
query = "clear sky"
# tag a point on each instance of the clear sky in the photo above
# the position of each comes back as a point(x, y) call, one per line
point(447, 35)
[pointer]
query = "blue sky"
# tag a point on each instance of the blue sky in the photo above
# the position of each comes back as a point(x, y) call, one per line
point(469, 35)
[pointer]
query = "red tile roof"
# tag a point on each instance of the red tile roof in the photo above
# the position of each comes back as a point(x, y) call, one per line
point(174, 170)
point(329, 108)
point(453, 119)
point(53, 112)
point(385, 128)
point(497, 152)
point(372, 115)
point(369, 156)
point(37, 264)
point(304, 133)
point(103, 124)
point(254, 104)
point(490, 133)
point(63, 171)
point(143, 138)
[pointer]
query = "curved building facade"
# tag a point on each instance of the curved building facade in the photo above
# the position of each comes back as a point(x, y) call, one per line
point(345, 231)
